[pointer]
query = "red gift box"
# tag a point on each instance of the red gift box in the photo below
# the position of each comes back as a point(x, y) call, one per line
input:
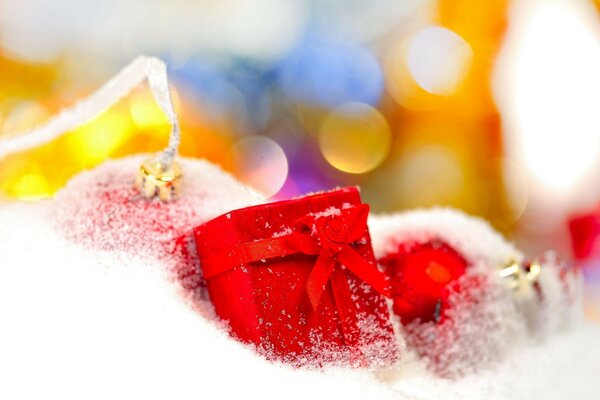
point(298, 278)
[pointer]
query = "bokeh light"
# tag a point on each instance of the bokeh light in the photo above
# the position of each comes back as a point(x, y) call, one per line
point(438, 59)
point(146, 114)
point(549, 88)
point(31, 186)
point(260, 163)
point(211, 89)
point(517, 187)
point(362, 21)
point(26, 115)
point(400, 83)
point(96, 141)
point(355, 138)
point(429, 175)
point(330, 73)
point(252, 25)
point(240, 27)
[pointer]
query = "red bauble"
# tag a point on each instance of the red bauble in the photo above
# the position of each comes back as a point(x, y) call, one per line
point(585, 235)
point(421, 276)
point(101, 209)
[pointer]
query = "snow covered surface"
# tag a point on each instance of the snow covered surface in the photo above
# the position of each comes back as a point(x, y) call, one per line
point(89, 309)
point(487, 321)
point(472, 237)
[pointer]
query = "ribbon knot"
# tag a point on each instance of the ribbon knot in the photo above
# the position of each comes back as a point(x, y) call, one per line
point(331, 236)
point(332, 232)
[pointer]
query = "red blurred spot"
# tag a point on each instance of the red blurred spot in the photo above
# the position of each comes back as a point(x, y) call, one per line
point(585, 235)
point(420, 276)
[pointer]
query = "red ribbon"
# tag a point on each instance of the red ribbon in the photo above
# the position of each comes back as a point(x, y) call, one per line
point(329, 236)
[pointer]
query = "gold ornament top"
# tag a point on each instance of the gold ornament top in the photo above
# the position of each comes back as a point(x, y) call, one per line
point(521, 278)
point(159, 179)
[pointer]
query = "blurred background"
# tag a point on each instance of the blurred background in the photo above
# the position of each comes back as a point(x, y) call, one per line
point(488, 106)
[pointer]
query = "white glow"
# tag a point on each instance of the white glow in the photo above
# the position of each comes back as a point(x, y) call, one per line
point(438, 59)
point(259, 29)
point(550, 91)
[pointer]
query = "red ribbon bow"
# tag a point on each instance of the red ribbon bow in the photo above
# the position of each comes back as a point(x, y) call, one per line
point(329, 235)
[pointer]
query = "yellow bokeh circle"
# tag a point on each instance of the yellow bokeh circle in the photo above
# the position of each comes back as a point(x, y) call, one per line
point(355, 138)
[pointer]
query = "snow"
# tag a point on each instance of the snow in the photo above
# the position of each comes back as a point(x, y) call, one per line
point(89, 308)
point(472, 237)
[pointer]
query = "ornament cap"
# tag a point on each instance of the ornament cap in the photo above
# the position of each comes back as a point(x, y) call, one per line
point(521, 278)
point(157, 178)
